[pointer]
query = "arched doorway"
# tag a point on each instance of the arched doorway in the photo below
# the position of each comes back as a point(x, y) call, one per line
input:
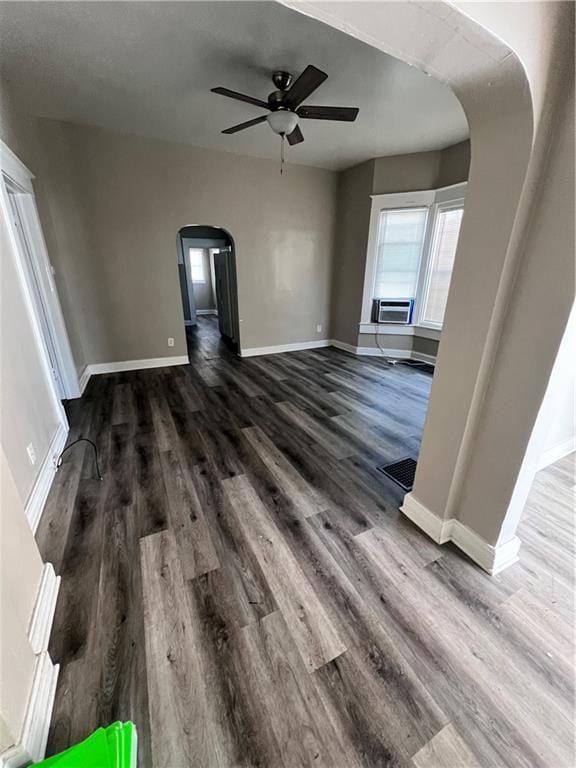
point(477, 433)
point(208, 285)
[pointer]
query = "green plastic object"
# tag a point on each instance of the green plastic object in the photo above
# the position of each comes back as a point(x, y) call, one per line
point(113, 747)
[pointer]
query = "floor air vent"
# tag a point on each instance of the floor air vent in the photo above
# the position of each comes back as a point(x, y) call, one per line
point(402, 472)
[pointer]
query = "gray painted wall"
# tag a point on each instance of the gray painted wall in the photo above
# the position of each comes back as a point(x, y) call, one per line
point(399, 342)
point(138, 193)
point(353, 219)
point(385, 341)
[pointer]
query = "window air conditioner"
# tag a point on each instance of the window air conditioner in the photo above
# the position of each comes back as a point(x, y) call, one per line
point(397, 311)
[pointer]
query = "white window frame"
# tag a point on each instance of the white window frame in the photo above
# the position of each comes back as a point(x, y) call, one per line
point(433, 199)
point(426, 273)
point(202, 251)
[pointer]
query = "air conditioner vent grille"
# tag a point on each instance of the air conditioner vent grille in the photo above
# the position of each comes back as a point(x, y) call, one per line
point(397, 311)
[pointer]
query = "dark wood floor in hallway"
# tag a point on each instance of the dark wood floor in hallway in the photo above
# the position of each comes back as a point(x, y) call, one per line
point(242, 586)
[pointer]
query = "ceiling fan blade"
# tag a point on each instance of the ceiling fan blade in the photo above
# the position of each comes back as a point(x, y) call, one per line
point(240, 97)
point(306, 84)
point(345, 114)
point(247, 124)
point(295, 137)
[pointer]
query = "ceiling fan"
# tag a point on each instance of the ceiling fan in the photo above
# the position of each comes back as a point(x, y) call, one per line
point(284, 104)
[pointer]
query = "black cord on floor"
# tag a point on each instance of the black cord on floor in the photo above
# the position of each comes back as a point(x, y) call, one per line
point(79, 440)
point(398, 360)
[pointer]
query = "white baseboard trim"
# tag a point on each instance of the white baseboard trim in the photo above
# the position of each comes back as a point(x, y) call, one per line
point(32, 744)
point(206, 312)
point(129, 365)
point(44, 608)
point(39, 494)
point(83, 379)
point(430, 523)
point(396, 354)
point(343, 345)
point(421, 357)
point(557, 452)
point(136, 365)
point(295, 347)
point(492, 559)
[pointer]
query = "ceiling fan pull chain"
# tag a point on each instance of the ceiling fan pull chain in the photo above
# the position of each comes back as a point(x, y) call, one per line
point(282, 136)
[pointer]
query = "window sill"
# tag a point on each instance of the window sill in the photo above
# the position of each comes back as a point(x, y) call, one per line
point(391, 329)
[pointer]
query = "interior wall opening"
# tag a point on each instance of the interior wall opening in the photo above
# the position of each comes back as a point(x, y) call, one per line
point(411, 254)
point(208, 282)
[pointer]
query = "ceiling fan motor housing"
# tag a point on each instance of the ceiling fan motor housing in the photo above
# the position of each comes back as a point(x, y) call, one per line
point(282, 80)
point(276, 101)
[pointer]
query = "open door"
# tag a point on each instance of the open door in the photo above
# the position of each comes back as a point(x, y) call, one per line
point(207, 271)
point(222, 272)
point(186, 282)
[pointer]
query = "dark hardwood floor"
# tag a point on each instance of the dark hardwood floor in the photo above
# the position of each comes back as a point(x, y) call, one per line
point(242, 586)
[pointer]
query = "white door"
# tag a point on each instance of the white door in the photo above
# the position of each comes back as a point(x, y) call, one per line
point(34, 283)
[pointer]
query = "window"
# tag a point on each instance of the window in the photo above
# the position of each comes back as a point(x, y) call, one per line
point(440, 264)
point(400, 239)
point(196, 257)
point(412, 244)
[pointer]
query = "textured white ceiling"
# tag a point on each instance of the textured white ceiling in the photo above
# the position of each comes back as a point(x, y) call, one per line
point(147, 68)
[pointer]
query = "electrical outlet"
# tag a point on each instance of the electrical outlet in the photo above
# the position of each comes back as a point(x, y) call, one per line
point(31, 454)
point(318, 329)
point(170, 341)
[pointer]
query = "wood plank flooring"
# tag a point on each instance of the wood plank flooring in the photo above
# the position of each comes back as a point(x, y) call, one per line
point(242, 586)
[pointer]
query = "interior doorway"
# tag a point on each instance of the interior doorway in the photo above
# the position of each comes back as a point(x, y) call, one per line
point(208, 284)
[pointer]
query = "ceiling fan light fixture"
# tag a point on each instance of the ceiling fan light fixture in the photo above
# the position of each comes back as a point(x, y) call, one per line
point(282, 122)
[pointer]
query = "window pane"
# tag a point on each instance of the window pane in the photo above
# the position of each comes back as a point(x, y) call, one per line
point(441, 263)
point(400, 239)
point(196, 256)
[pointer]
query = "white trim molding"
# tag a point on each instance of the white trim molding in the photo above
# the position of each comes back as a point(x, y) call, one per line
point(389, 329)
point(83, 379)
point(385, 352)
point(32, 743)
point(137, 365)
point(423, 358)
point(22, 179)
point(37, 498)
point(128, 365)
point(294, 347)
point(15, 168)
point(393, 354)
point(557, 452)
point(431, 524)
point(492, 559)
point(44, 608)
point(343, 345)
point(36, 274)
point(206, 312)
